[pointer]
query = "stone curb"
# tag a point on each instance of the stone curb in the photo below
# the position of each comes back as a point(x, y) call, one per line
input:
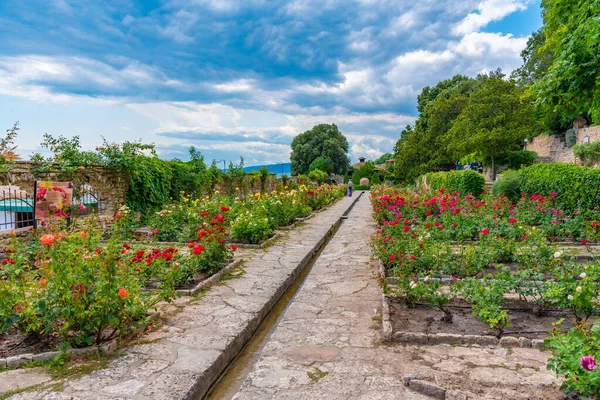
point(386, 323)
point(403, 337)
point(424, 387)
point(15, 362)
point(451, 338)
point(213, 372)
point(211, 281)
point(261, 245)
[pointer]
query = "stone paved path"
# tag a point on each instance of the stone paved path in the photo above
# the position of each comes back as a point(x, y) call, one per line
point(184, 357)
point(326, 345)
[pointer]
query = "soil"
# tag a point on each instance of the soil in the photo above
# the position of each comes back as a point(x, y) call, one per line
point(423, 319)
point(16, 344)
point(196, 279)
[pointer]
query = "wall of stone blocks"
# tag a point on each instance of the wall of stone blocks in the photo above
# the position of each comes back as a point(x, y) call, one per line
point(552, 148)
point(110, 185)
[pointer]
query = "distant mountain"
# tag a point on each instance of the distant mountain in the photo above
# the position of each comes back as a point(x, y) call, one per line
point(279, 169)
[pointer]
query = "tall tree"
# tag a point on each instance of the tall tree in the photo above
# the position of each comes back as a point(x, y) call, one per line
point(423, 148)
point(571, 84)
point(496, 118)
point(324, 140)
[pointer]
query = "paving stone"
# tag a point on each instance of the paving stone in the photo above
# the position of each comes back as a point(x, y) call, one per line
point(21, 379)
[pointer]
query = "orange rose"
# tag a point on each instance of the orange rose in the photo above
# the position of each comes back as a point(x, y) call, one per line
point(43, 282)
point(47, 240)
point(84, 234)
point(122, 293)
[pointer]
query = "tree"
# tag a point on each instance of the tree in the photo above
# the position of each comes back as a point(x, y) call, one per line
point(375, 180)
point(537, 58)
point(496, 119)
point(571, 84)
point(322, 140)
point(322, 164)
point(424, 148)
point(383, 158)
point(318, 175)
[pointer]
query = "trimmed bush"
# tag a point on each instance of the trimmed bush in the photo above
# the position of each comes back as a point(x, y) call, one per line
point(576, 187)
point(464, 182)
point(509, 185)
point(375, 180)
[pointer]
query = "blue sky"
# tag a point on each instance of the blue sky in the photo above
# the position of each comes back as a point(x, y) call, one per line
point(241, 78)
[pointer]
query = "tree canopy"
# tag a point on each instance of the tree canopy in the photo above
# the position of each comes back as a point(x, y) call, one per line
point(495, 119)
point(570, 85)
point(321, 163)
point(324, 140)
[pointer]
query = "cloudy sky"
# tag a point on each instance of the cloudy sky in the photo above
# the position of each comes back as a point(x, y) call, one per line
point(241, 78)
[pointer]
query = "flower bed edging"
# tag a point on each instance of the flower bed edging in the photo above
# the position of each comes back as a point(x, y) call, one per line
point(402, 337)
point(109, 347)
point(386, 323)
point(211, 281)
point(260, 245)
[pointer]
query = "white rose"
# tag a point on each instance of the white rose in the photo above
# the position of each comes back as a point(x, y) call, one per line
point(570, 297)
point(557, 254)
point(578, 289)
point(413, 285)
point(582, 275)
point(426, 279)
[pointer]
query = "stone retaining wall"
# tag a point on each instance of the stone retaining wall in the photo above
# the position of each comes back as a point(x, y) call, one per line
point(111, 185)
point(552, 148)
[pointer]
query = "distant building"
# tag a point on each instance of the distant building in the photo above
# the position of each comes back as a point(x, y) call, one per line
point(360, 163)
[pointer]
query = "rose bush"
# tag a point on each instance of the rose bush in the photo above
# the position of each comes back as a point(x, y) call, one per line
point(442, 248)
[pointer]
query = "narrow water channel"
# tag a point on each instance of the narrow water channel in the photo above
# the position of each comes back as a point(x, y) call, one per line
point(235, 374)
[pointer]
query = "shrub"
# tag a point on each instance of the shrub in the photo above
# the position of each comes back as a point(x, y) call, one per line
point(509, 185)
point(456, 181)
point(318, 175)
point(589, 153)
point(570, 137)
point(375, 180)
point(252, 226)
point(321, 163)
point(518, 159)
point(573, 358)
point(575, 187)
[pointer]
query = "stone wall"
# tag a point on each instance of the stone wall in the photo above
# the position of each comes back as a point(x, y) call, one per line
point(552, 148)
point(110, 185)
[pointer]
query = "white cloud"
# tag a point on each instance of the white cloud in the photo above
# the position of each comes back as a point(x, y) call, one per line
point(488, 11)
point(36, 76)
point(239, 85)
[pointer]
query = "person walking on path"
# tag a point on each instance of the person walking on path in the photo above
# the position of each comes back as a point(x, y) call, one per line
point(467, 166)
point(475, 165)
point(458, 166)
point(349, 188)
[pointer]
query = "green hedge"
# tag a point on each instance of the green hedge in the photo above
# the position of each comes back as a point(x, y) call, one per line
point(577, 188)
point(464, 182)
point(508, 185)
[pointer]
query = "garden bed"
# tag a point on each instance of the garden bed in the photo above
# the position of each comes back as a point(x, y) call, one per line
point(424, 319)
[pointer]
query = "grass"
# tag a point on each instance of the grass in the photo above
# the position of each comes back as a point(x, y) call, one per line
point(61, 368)
point(317, 374)
point(234, 273)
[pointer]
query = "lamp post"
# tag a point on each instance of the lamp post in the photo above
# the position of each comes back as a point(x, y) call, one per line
point(525, 146)
point(281, 163)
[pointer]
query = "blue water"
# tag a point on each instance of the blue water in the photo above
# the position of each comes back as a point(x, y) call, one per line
point(279, 169)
